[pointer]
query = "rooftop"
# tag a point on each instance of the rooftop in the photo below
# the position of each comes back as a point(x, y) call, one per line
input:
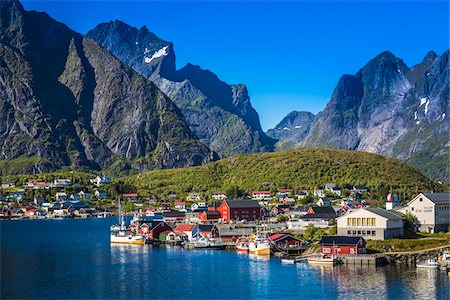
point(438, 198)
point(242, 203)
point(340, 240)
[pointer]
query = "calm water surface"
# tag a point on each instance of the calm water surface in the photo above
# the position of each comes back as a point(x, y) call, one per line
point(73, 259)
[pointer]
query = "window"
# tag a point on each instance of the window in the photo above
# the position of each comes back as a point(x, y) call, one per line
point(349, 232)
point(352, 251)
point(420, 199)
point(373, 233)
point(349, 222)
point(354, 232)
point(373, 222)
point(363, 232)
point(359, 232)
point(326, 250)
point(359, 221)
point(363, 221)
point(412, 208)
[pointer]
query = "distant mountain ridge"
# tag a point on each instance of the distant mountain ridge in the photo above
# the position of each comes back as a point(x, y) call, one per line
point(65, 101)
point(219, 114)
point(390, 109)
point(292, 129)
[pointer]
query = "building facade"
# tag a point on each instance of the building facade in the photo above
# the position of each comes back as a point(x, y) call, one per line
point(432, 211)
point(339, 245)
point(238, 210)
point(371, 223)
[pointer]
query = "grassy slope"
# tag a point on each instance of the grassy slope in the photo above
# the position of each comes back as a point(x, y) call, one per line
point(296, 168)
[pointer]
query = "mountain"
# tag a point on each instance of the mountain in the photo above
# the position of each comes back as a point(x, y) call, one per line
point(391, 109)
point(65, 101)
point(292, 129)
point(296, 168)
point(219, 114)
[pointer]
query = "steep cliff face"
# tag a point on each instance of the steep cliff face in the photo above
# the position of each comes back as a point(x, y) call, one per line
point(65, 101)
point(220, 115)
point(390, 109)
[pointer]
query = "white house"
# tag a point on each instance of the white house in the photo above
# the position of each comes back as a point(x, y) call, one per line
point(432, 211)
point(337, 191)
point(261, 195)
point(371, 223)
point(219, 196)
point(100, 179)
point(329, 186)
point(100, 194)
point(63, 182)
point(324, 201)
point(193, 197)
point(392, 201)
point(319, 193)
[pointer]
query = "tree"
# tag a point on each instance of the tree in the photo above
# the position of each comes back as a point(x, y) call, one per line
point(411, 222)
point(129, 206)
point(281, 218)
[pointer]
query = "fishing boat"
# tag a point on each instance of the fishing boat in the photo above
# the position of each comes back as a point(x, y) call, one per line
point(206, 243)
point(288, 261)
point(323, 260)
point(119, 234)
point(430, 263)
point(259, 245)
point(445, 256)
point(242, 245)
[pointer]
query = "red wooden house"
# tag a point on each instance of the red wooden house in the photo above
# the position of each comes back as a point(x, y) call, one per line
point(150, 229)
point(240, 210)
point(209, 216)
point(339, 245)
point(285, 242)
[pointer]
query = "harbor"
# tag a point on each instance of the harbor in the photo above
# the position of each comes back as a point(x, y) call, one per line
point(80, 251)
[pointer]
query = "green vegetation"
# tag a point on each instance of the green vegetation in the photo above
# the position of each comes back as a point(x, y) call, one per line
point(403, 245)
point(297, 168)
point(12, 166)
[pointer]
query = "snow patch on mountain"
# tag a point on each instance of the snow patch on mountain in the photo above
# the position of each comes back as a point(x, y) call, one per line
point(160, 53)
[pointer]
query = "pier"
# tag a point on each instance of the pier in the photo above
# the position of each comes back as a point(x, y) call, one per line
point(365, 260)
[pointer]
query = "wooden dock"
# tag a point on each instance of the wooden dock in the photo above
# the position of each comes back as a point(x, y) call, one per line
point(365, 260)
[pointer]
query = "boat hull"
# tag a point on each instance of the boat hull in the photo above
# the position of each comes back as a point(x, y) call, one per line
point(261, 251)
point(125, 240)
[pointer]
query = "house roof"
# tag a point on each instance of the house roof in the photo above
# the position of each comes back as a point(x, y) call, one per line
point(323, 210)
point(151, 224)
point(388, 214)
point(130, 195)
point(330, 240)
point(276, 236)
point(438, 198)
point(185, 227)
point(206, 228)
point(242, 203)
point(261, 192)
point(174, 213)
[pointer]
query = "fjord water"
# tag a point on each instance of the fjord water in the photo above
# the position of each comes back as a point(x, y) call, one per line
point(73, 259)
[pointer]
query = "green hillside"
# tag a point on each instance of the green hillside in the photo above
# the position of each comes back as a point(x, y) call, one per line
point(297, 168)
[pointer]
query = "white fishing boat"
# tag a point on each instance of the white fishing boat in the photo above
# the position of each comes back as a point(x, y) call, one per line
point(259, 245)
point(119, 234)
point(242, 245)
point(206, 243)
point(430, 263)
point(323, 260)
point(288, 261)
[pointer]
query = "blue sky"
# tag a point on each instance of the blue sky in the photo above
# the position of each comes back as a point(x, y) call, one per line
point(289, 54)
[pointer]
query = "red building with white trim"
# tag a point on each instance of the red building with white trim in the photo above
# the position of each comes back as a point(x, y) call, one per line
point(339, 245)
point(240, 210)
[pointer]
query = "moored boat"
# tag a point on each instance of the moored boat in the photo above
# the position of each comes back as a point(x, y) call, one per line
point(430, 263)
point(259, 246)
point(288, 261)
point(323, 260)
point(207, 243)
point(242, 246)
point(119, 234)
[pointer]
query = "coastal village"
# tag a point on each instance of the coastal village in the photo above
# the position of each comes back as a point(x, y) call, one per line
point(340, 221)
